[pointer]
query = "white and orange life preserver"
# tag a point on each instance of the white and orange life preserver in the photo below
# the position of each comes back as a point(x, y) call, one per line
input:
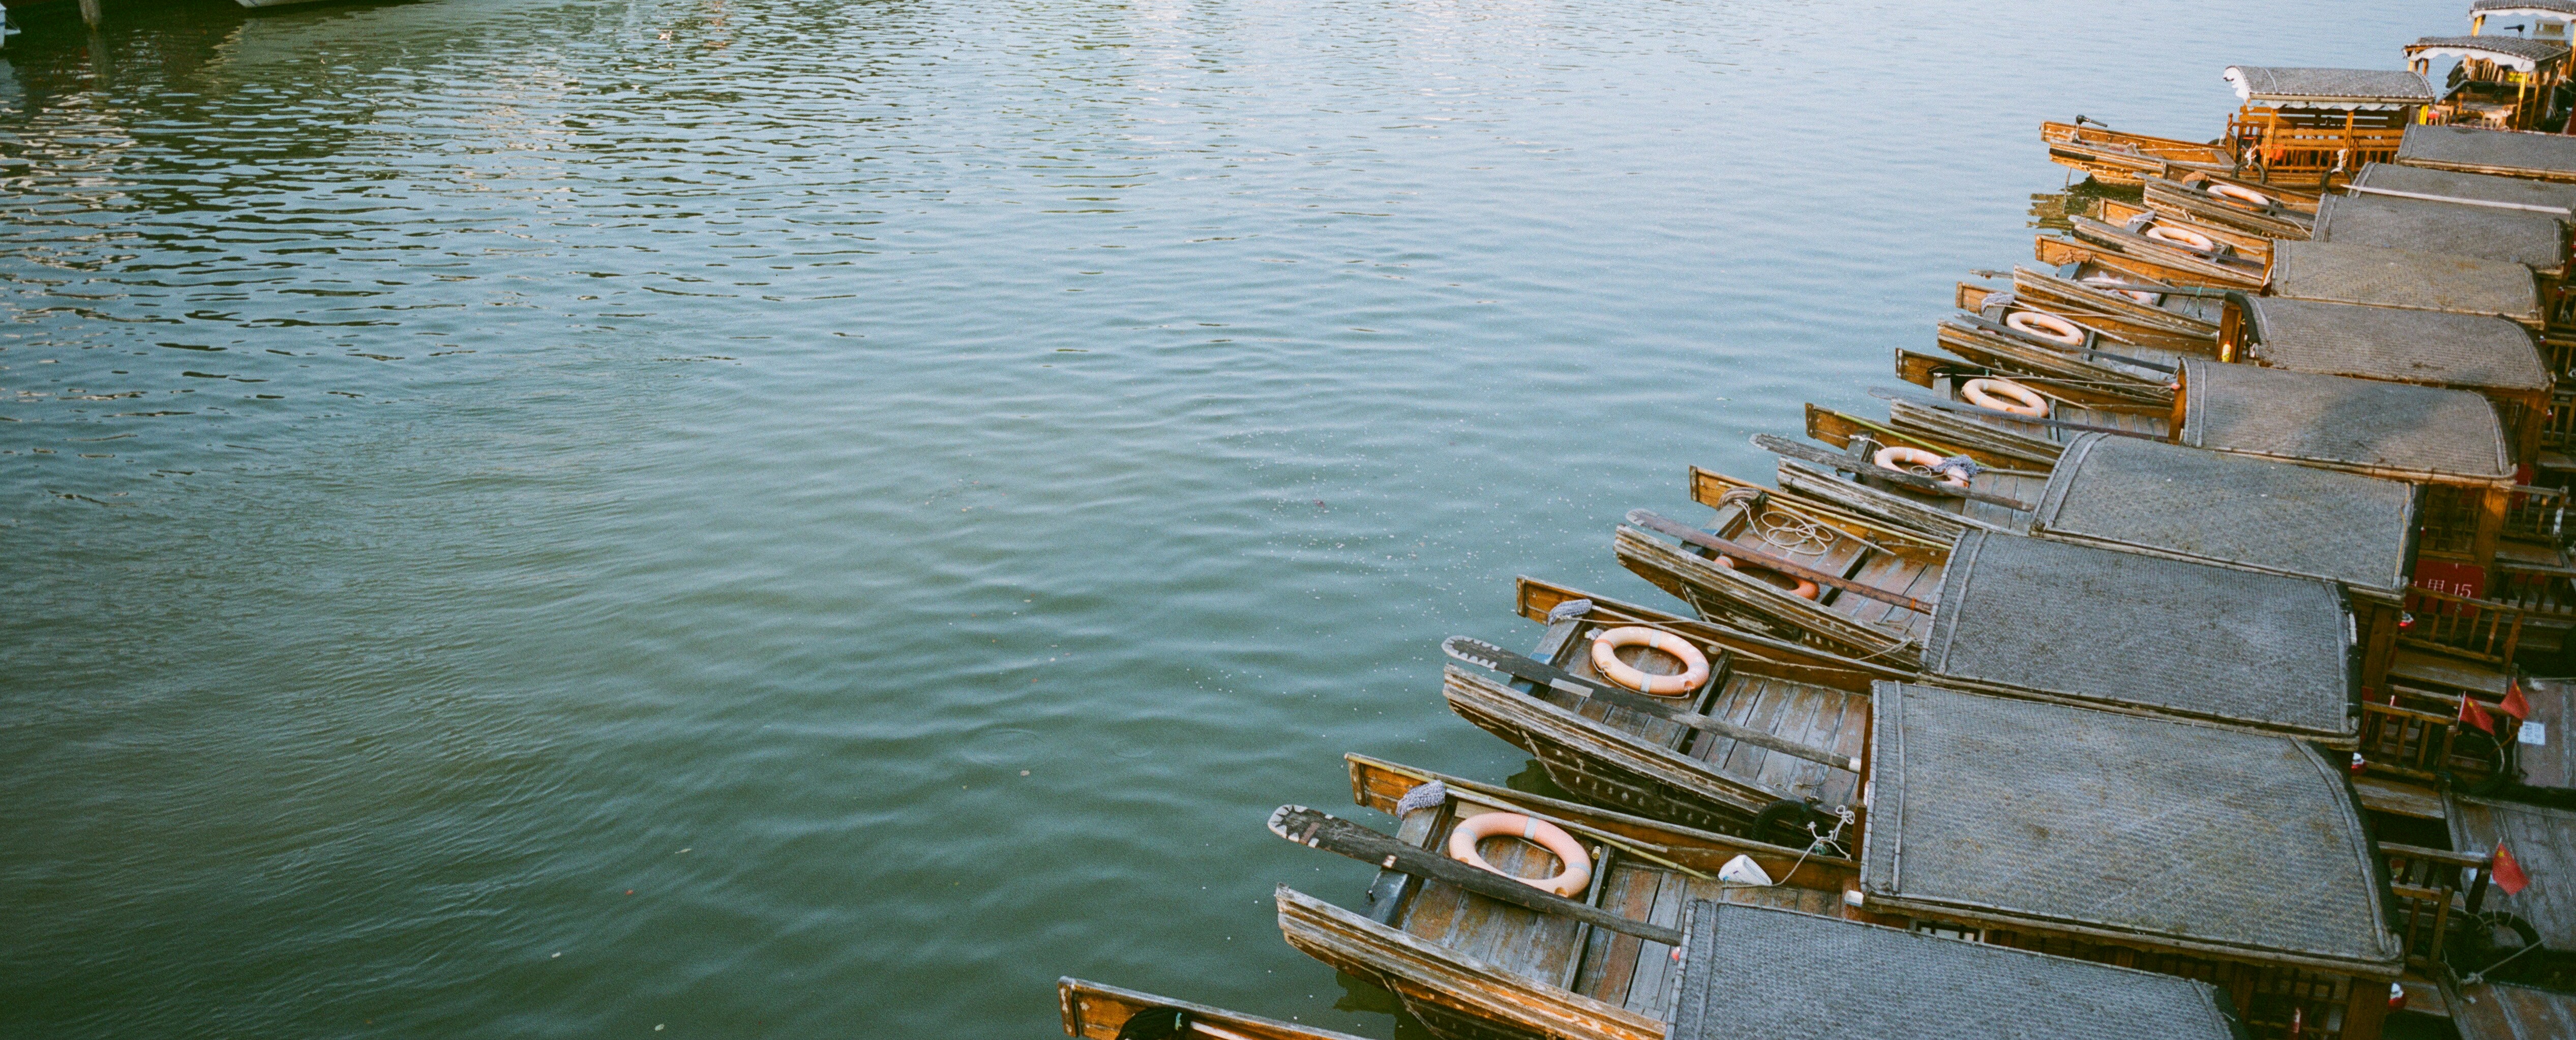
point(1803, 589)
point(1605, 660)
point(2045, 326)
point(2004, 395)
point(2230, 191)
point(1573, 879)
point(2181, 237)
point(1898, 456)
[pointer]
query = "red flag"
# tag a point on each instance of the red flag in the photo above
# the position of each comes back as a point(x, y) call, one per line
point(2476, 716)
point(2507, 873)
point(2513, 704)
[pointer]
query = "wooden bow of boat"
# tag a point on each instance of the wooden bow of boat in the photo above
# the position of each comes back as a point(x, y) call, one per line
point(1094, 1011)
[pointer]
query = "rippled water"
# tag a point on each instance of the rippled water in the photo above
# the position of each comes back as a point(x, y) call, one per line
point(791, 518)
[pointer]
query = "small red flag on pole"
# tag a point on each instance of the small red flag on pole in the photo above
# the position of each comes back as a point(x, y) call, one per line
point(2513, 703)
point(2507, 873)
point(2476, 716)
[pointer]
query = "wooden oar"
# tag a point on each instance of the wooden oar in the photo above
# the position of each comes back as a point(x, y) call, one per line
point(1317, 830)
point(1927, 401)
point(1479, 652)
point(1910, 481)
point(1648, 520)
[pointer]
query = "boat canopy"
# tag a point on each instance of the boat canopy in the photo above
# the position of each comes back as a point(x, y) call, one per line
point(2518, 53)
point(1753, 971)
point(2028, 616)
point(2338, 89)
point(2239, 844)
point(2147, 496)
point(2394, 430)
point(2345, 272)
point(2475, 150)
point(2481, 187)
point(2534, 240)
point(2431, 348)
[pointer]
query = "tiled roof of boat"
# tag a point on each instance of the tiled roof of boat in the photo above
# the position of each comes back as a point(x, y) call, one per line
point(2469, 351)
point(2454, 184)
point(2144, 633)
point(1753, 971)
point(1989, 807)
point(2347, 272)
point(2341, 421)
point(2518, 46)
point(2335, 84)
point(2559, 6)
point(2492, 149)
point(2534, 240)
point(2232, 509)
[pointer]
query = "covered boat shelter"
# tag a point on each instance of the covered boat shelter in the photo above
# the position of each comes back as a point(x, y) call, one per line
point(2376, 276)
point(2468, 149)
point(2488, 356)
point(2449, 441)
point(2502, 82)
point(2235, 857)
point(2307, 125)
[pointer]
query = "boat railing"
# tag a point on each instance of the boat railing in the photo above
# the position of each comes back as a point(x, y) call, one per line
point(2431, 886)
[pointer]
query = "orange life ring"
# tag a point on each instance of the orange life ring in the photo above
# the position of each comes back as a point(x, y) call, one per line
point(2230, 191)
point(1805, 589)
point(2004, 395)
point(2108, 284)
point(2045, 326)
point(1605, 659)
point(1897, 456)
point(1576, 876)
point(2182, 237)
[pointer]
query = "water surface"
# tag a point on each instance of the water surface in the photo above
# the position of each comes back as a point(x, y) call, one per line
point(797, 518)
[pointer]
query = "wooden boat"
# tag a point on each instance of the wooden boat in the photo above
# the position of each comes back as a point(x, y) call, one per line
point(2488, 356)
point(2282, 213)
point(2112, 157)
point(2501, 82)
point(2007, 852)
point(2537, 241)
point(2542, 840)
point(2546, 19)
point(2159, 316)
point(1093, 1011)
point(2128, 250)
point(2254, 248)
point(2504, 153)
point(1713, 779)
point(1989, 612)
point(2312, 126)
point(2503, 1011)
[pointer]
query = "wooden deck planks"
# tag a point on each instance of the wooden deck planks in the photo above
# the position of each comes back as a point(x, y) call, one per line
point(1611, 964)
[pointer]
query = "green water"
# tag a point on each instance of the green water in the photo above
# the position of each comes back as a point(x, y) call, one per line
point(808, 518)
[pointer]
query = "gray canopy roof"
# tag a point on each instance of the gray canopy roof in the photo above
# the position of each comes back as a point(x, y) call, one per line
point(2427, 347)
point(2454, 184)
point(2394, 430)
point(2324, 86)
point(2490, 151)
point(2522, 47)
point(2233, 510)
point(1753, 971)
point(2534, 240)
point(2203, 838)
point(2344, 272)
point(2489, 6)
point(2033, 617)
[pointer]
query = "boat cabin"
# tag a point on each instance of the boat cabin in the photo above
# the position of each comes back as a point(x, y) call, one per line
point(2534, 240)
point(2500, 83)
point(2530, 196)
point(2311, 126)
point(2504, 153)
point(2488, 356)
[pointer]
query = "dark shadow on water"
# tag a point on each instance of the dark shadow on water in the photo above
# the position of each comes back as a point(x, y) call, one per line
point(1533, 779)
point(1361, 996)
